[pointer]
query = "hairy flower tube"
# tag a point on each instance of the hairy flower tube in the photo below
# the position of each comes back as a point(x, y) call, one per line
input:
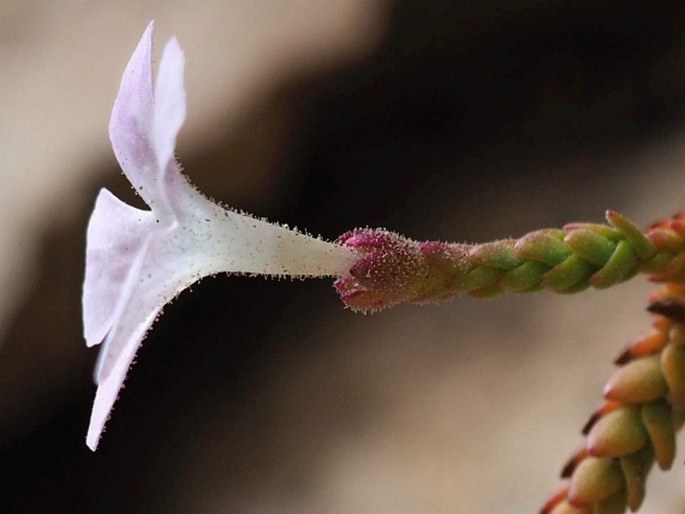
point(139, 260)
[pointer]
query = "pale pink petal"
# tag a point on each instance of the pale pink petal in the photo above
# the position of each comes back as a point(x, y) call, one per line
point(130, 126)
point(170, 104)
point(115, 248)
point(107, 394)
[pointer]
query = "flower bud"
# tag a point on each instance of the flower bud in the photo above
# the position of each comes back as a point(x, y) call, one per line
point(591, 246)
point(383, 275)
point(545, 245)
point(496, 254)
point(643, 247)
point(635, 467)
point(595, 479)
point(617, 433)
point(673, 368)
point(639, 381)
point(621, 265)
point(571, 275)
point(393, 269)
point(658, 421)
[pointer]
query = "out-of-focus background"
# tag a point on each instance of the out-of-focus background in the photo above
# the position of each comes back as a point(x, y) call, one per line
point(444, 120)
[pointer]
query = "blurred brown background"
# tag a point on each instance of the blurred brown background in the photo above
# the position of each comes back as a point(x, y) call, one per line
point(449, 120)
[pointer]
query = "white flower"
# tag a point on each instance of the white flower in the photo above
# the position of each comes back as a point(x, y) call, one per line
point(137, 261)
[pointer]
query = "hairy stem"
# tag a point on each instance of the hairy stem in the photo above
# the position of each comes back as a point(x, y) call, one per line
point(392, 269)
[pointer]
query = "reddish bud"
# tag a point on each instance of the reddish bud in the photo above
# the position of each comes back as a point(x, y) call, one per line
point(648, 345)
point(393, 269)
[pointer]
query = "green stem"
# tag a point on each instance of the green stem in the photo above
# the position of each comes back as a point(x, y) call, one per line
point(392, 269)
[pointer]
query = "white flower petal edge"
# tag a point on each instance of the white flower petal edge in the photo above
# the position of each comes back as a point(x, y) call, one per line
point(137, 261)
